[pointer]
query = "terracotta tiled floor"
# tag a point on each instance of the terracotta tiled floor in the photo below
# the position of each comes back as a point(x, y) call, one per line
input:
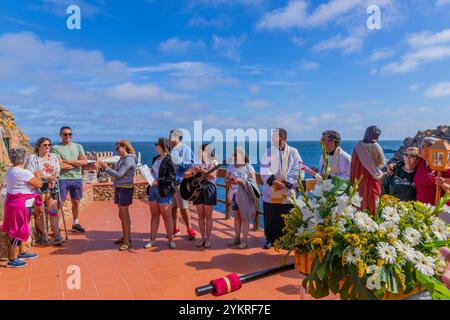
point(157, 273)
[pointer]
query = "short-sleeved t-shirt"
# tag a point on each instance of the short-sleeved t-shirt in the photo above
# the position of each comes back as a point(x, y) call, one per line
point(71, 151)
point(48, 167)
point(17, 181)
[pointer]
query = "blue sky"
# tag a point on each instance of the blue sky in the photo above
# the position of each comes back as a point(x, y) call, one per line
point(138, 68)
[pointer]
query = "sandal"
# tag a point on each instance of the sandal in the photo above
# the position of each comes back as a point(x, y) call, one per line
point(207, 244)
point(201, 243)
point(234, 242)
point(119, 241)
point(124, 247)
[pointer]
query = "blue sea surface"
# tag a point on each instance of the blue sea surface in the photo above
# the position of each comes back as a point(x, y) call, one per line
point(310, 151)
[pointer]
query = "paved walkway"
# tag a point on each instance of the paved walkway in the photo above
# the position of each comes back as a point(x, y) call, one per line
point(157, 273)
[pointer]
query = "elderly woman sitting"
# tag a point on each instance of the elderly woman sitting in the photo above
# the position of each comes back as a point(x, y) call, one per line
point(21, 187)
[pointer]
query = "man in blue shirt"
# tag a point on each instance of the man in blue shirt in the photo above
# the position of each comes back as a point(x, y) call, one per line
point(183, 157)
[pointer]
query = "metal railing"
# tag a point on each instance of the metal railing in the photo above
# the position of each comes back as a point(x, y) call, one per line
point(308, 184)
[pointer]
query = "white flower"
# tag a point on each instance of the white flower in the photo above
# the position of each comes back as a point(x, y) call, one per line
point(424, 264)
point(341, 224)
point(386, 252)
point(343, 201)
point(328, 185)
point(307, 213)
point(318, 190)
point(364, 222)
point(411, 235)
point(390, 214)
point(314, 221)
point(349, 212)
point(374, 282)
point(351, 255)
point(406, 250)
point(439, 229)
point(300, 231)
point(357, 200)
point(300, 202)
point(390, 229)
point(445, 209)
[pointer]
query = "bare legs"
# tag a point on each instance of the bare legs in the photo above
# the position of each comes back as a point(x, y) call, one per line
point(157, 210)
point(184, 214)
point(205, 223)
point(241, 224)
point(124, 215)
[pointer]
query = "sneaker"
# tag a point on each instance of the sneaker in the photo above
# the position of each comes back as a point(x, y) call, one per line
point(176, 232)
point(191, 234)
point(27, 255)
point(42, 241)
point(17, 263)
point(124, 247)
point(77, 228)
point(267, 245)
point(172, 245)
point(200, 243)
point(150, 244)
point(243, 245)
point(234, 242)
point(59, 240)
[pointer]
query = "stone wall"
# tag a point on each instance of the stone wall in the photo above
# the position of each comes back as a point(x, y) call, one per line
point(105, 191)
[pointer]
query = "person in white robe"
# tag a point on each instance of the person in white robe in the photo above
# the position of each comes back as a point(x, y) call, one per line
point(339, 160)
point(279, 169)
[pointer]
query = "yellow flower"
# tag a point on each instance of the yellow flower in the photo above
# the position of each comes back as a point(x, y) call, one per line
point(362, 268)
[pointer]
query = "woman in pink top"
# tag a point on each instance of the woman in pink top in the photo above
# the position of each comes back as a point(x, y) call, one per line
point(426, 179)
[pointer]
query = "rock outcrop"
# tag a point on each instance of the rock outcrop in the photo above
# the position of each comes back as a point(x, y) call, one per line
point(441, 132)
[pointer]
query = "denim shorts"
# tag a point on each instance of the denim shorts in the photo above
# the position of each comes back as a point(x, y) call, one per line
point(154, 196)
point(74, 186)
point(123, 196)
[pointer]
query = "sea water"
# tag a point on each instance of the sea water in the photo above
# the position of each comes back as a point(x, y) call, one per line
point(310, 151)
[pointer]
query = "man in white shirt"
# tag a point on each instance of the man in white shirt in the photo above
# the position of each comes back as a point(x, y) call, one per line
point(339, 160)
point(280, 167)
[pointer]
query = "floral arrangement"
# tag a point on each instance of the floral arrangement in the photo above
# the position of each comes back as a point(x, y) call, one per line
point(362, 256)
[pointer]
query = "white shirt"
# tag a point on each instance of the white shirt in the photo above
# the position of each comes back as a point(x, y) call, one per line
point(344, 163)
point(242, 172)
point(49, 167)
point(208, 167)
point(293, 170)
point(17, 181)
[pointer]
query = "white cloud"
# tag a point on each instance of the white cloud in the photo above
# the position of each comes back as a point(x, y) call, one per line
point(381, 54)
point(441, 3)
point(58, 7)
point(296, 13)
point(310, 65)
point(215, 3)
point(350, 44)
point(439, 90)
point(254, 88)
point(425, 47)
point(191, 76)
point(258, 104)
point(178, 46)
point(298, 41)
point(229, 47)
point(414, 87)
point(427, 38)
point(140, 93)
point(216, 22)
point(359, 104)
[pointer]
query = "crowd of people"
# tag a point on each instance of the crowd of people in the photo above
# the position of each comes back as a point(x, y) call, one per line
point(39, 182)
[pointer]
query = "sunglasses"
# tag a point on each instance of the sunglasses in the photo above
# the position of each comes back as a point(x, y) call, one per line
point(67, 134)
point(410, 156)
point(46, 145)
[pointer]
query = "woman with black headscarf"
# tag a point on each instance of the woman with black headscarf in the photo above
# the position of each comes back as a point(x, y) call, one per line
point(367, 161)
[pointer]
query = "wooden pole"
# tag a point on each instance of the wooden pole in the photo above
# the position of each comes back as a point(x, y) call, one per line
point(438, 189)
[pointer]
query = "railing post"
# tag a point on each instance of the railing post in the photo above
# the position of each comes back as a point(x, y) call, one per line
point(227, 203)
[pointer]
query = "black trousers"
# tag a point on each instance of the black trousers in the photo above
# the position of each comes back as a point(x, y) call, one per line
point(273, 222)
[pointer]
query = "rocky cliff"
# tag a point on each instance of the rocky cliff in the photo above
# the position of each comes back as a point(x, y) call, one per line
point(11, 135)
point(441, 132)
